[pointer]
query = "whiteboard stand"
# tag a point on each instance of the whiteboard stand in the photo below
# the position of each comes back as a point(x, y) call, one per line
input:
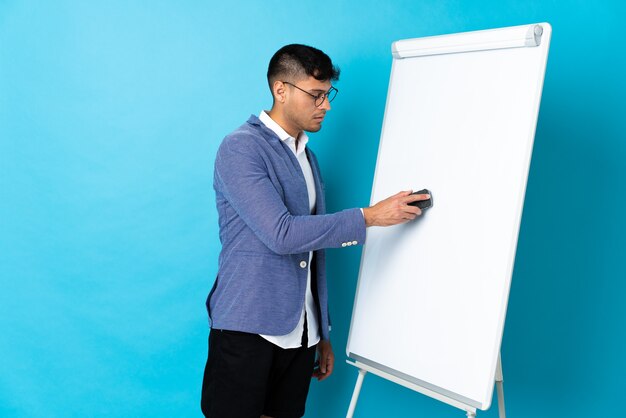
point(470, 410)
point(357, 390)
point(500, 387)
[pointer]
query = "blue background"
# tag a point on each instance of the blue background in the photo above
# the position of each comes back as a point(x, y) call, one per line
point(110, 117)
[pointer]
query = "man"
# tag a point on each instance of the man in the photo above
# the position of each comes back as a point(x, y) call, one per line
point(268, 306)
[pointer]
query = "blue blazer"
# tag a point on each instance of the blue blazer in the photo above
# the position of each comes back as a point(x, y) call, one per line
point(267, 232)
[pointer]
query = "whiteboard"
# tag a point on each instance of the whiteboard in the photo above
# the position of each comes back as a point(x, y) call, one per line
point(432, 294)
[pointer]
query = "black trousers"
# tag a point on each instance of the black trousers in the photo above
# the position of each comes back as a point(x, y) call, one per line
point(247, 376)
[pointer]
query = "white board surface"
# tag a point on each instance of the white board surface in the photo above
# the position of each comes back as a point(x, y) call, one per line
point(432, 294)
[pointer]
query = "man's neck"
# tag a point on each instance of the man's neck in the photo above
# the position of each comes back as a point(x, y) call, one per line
point(277, 117)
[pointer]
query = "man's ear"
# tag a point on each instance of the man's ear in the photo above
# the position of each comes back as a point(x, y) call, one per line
point(279, 91)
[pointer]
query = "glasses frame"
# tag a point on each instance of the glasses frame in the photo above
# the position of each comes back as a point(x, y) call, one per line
point(320, 97)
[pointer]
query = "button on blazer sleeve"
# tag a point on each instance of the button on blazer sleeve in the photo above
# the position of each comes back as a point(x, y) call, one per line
point(242, 175)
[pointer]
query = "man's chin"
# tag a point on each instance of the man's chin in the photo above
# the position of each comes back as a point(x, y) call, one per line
point(314, 127)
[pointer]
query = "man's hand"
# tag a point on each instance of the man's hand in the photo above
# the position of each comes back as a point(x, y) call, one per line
point(394, 210)
point(326, 360)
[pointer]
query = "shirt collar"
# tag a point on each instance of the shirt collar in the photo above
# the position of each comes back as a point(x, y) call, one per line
point(283, 135)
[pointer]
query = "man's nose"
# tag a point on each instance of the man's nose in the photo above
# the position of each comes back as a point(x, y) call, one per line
point(325, 104)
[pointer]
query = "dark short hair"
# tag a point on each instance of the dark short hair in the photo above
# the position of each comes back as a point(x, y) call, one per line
point(296, 61)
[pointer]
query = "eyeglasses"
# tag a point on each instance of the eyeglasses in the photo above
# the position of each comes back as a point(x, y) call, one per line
point(319, 99)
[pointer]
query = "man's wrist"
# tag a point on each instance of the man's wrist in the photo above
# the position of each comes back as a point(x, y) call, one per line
point(366, 216)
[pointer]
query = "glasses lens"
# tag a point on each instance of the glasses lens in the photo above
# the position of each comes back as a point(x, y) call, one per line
point(331, 94)
point(320, 99)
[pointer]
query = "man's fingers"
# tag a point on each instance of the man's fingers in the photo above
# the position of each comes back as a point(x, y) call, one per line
point(402, 193)
point(329, 369)
point(411, 209)
point(411, 216)
point(416, 197)
point(330, 365)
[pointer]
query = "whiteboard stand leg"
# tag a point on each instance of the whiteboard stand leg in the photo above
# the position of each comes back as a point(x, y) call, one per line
point(500, 387)
point(471, 414)
point(355, 394)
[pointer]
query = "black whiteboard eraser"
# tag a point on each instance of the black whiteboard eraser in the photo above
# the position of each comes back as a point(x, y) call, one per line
point(423, 204)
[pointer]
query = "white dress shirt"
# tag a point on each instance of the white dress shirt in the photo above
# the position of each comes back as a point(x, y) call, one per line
point(294, 338)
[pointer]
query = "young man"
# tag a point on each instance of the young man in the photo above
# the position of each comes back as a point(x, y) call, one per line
point(268, 306)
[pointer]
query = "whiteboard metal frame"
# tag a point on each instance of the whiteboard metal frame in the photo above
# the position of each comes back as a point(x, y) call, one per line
point(483, 40)
point(469, 410)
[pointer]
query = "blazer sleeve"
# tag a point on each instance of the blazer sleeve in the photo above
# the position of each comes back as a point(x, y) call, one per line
point(242, 176)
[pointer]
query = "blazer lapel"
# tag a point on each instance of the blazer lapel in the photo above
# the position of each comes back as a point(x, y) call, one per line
point(295, 177)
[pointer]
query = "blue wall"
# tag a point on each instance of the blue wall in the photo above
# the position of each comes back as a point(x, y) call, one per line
point(110, 116)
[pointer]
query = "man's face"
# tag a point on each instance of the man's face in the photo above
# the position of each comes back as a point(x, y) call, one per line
point(299, 108)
